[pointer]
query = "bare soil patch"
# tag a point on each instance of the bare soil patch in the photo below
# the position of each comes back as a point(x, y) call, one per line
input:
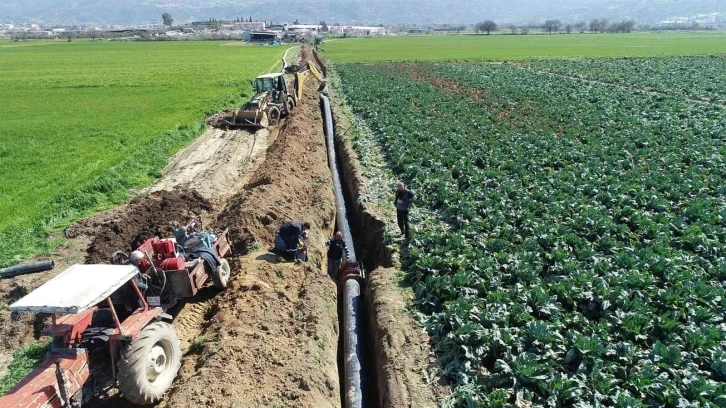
point(143, 218)
point(216, 164)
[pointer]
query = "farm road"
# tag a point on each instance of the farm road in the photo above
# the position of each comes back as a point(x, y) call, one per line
point(217, 164)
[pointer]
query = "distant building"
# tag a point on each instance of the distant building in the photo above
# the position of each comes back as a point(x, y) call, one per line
point(261, 36)
point(360, 30)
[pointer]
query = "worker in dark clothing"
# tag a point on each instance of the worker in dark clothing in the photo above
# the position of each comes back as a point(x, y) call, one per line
point(289, 237)
point(336, 249)
point(404, 199)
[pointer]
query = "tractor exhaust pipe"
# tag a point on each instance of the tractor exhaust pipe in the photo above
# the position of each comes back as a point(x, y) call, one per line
point(26, 269)
point(348, 277)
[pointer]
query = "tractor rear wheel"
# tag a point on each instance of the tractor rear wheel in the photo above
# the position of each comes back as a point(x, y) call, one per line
point(221, 277)
point(273, 115)
point(149, 364)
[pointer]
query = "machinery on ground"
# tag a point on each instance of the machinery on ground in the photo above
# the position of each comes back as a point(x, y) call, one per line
point(276, 95)
point(178, 267)
point(109, 326)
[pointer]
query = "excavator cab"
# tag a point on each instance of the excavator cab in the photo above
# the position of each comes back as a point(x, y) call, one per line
point(264, 84)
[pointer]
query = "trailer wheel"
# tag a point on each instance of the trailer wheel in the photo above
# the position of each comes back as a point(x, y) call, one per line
point(273, 115)
point(149, 364)
point(221, 277)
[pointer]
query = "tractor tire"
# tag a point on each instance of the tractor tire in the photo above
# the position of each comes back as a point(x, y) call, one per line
point(273, 115)
point(289, 106)
point(149, 364)
point(221, 277)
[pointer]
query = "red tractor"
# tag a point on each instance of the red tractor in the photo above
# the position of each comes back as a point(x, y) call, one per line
point(108, 322)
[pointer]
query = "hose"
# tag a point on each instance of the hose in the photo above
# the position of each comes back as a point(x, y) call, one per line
point(26, 269)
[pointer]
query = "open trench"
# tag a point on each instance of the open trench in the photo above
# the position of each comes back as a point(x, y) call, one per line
point(400, 369)
point(394, 352)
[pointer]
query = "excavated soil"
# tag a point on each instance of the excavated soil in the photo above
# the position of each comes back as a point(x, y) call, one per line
point(271, 338)
point(155, 215)
point(293, 183)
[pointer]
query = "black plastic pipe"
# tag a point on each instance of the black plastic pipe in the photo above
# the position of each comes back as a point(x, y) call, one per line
point(351, 287)
point(26, 269)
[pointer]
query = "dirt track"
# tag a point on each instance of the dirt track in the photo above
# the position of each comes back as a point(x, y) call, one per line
point(272, 338)
point(217, 164)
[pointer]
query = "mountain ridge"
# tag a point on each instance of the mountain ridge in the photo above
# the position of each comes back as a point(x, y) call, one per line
point(348, 11)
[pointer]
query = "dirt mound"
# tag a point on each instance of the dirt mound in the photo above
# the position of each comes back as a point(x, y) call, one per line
point(293, 183)
point(143, 218)
point(271, 341)
point(271, 337)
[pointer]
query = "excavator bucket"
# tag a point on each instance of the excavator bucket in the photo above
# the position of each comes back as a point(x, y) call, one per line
point(249, 118)
point(252, 114)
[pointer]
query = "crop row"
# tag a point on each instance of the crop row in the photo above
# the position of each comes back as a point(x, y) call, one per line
point(584, 262)
point(702, 77)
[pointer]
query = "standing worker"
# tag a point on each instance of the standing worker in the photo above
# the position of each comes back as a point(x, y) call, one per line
point(288, 238)
point(336, 249)
point(404, 199)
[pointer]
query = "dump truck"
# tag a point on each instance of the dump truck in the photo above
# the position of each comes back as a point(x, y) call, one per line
point(276, 95)
point(109, 325)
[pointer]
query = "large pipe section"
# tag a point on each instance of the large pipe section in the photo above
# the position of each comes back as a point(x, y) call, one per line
point(351, 287)
point(26, 269)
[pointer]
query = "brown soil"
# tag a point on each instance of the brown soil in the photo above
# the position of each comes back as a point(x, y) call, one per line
point(270, 341)
point(271, 338)
point(217, 164)
point(142, 218)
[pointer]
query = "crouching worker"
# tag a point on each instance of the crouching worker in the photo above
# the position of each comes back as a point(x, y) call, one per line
point(336, 249)
point(289, 238)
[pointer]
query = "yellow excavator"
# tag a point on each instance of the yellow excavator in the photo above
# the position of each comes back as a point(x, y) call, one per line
point(276, 95)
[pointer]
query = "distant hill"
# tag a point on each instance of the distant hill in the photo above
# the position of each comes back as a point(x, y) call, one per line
point(347, 11)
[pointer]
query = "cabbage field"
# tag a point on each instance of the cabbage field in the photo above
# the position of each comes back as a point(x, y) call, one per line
point(583, 262)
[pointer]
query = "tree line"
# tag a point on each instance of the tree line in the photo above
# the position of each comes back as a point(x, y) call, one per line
point(553, 26)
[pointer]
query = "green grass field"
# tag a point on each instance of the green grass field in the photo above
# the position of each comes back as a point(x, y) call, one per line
point(502, 47)
point(82, 122)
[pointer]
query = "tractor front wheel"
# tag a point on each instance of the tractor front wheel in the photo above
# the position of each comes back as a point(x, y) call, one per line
point(221, 277)
point(273, 115)
point(289, 106)
point(149, 364)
